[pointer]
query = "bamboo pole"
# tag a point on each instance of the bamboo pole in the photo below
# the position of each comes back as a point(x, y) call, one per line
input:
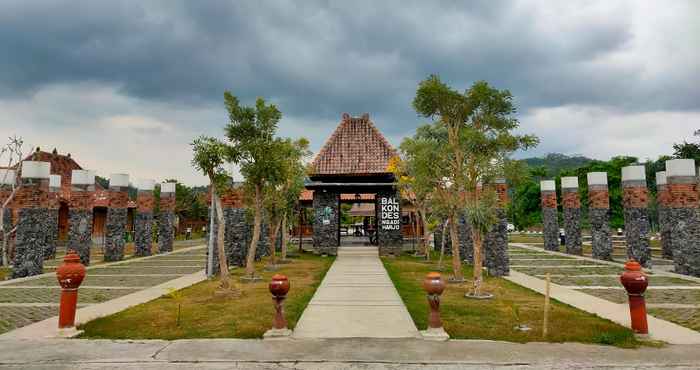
point(545, 325)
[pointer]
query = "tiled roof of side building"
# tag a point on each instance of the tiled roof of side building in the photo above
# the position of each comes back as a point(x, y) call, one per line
point(356, 147)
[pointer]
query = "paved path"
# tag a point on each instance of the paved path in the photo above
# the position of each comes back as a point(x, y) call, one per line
point(34, 299)
point(327, 354)
point(356, 300)
point(593, 286)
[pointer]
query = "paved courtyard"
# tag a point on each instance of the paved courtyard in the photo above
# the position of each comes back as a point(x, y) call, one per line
point(670, 296)
point(28, 300)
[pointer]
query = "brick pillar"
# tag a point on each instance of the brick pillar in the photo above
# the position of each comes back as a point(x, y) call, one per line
point(143, 220)
point(496, 241)
point(571, 204)
point(388, 212)
point(115, 224)
point(54, 204)
point(32, 201)
point(683, 215)
point(80, 213)
point(550, 221)
point(326, 221)
point(599, 215)
point(8, 178)
point(663, 202)
point(166, 218)
point(635, 198)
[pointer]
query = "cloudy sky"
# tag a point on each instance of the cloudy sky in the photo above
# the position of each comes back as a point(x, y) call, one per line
point(126, 85)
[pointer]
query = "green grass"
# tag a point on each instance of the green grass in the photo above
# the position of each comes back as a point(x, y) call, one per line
point(205, 314)
point(4, 273)
point(497, 318)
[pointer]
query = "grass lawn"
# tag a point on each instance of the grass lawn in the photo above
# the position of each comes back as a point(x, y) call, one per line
point(497, 318)
point(206, 315)
point(524, 238)
point(4, 273)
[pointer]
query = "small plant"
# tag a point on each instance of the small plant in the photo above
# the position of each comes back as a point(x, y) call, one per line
point(176, 295)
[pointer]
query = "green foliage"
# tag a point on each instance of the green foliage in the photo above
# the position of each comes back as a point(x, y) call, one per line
point(554, 163)
point(209, 157)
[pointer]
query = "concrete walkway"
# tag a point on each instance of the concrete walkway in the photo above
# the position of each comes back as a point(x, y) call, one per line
point(334, 354)
point(356, 300)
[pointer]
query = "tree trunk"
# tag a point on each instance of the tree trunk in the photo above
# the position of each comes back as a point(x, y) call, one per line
point(223, 263)
point(442, 243)
point(250, 259)
point(426, 235)
point(413, 216)
point(476, 235)
point(456, 259)
point(274, 230)
point(284, 238)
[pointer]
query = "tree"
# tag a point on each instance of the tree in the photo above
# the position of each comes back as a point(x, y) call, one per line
point(209, 157)
point(11, 155)
point(479, 124)
point(256, 151)
point(282, 196)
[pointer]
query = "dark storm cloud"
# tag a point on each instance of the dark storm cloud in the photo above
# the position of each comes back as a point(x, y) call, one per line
point(318, 59)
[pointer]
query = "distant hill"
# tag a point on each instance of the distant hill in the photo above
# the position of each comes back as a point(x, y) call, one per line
point(557, 162)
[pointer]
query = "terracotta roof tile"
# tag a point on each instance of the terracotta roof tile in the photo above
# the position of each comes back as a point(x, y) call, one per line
point(355, 147)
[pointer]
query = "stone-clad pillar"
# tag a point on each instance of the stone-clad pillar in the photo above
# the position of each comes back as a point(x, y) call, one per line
point(550, 221)
point(496, 241)
point(388, 211)
point(32, 200)
point(572, 214)
point(466, 243)
point(236, 242)
point(683, 215)
point(80, 213)
point(663, 200)
point(115, 224)
point(599, 215)
point(166, 219)
point(8, 178)
point(326, 221)
point(54, 204)
point(143, 221)
point(635, 199)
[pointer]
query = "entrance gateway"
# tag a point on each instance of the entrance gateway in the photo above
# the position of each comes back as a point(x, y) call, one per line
point(353, 167)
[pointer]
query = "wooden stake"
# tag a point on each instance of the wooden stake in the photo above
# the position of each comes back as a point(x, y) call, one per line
point(545, 325)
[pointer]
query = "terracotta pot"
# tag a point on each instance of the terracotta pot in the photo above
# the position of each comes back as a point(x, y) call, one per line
point(433, 283)
point(633, 279)
point(71, 273)
point(279, 286)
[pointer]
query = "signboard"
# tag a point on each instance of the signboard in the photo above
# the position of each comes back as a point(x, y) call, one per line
point(389, 214)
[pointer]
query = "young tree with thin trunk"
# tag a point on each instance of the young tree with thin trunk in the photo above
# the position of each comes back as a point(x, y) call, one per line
point(11, 156)
point(256, 151)
point(209, 157)
point(479, 124)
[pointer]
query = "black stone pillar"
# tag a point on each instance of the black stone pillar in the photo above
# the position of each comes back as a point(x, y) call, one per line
point(550, 221)
point(683, 215)
point(326, 221)
point(143, 220)
point(115, 224)
point(80, 214)
point(34, 221)
point(388, 214)
point(572, 215)
point(635, 199)
point(166, 217)
point(663, 201)
point(599, 215)
point(54, 204)
point(495, 244)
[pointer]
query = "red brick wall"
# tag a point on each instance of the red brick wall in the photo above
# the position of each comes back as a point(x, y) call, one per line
point(167, 201)
point(598, 199)
point(145, 201)
point(635, 196)
point(663, 197)
point(118, 199)
point(34, 195)
point(549, 199)
point(81, 200)
point(232, 198)
point(502, 192)
point(570, 199)
point(54, 199)
point(683, 195)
